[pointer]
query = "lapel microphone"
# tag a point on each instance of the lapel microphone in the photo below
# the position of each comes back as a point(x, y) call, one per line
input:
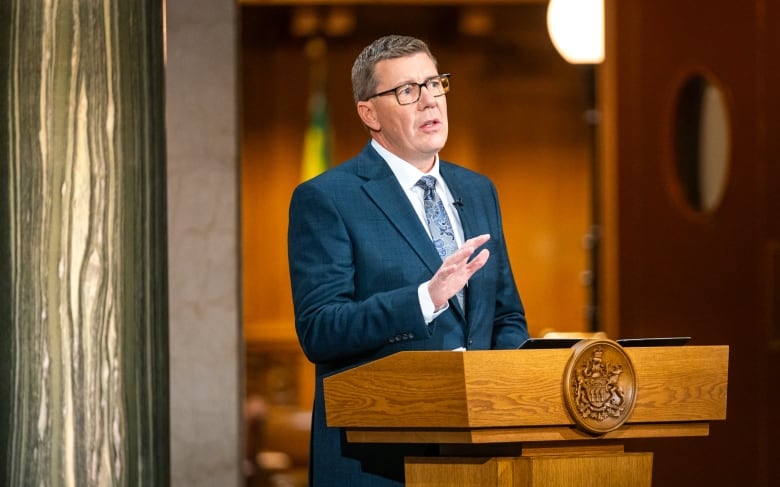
point(458, 203)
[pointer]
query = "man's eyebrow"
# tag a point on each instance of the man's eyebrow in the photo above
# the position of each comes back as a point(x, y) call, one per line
point(411, 81)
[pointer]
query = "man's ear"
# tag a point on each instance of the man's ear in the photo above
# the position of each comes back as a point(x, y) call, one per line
point(367, 114)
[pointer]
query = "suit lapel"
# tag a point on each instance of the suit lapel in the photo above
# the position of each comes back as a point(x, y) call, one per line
point(383, 189)
point(459, 188)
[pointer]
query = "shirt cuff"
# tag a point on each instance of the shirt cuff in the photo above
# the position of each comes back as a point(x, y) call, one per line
point(426, 304)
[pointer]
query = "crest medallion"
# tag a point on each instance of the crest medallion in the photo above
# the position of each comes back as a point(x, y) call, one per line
point(599, 385)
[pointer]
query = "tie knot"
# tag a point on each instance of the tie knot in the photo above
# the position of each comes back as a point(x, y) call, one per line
point(427, 182)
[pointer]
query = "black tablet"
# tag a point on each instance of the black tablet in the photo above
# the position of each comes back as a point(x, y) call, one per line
point(653, 342)
point(542, 343)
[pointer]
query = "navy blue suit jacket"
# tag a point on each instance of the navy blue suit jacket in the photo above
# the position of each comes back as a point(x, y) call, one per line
point(357, 254)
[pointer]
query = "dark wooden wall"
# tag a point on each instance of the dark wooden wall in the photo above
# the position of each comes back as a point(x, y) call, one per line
point(671, 270)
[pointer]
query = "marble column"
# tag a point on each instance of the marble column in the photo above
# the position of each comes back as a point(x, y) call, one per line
point(202, 106)
point(83, 264)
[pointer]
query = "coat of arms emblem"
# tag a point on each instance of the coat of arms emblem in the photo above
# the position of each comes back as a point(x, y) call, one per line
point(599, 385)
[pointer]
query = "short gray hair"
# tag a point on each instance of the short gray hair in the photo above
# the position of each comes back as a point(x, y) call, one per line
point(388, 47)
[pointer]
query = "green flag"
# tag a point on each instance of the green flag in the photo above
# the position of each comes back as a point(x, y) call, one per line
point(316, 158)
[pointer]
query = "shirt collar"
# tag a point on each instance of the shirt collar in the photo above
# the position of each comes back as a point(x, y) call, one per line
point(405, 172)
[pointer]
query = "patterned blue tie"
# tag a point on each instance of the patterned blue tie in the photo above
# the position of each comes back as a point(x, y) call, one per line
point(439, 225)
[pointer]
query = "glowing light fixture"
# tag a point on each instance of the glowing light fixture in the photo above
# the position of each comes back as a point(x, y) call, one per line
point(576, 29)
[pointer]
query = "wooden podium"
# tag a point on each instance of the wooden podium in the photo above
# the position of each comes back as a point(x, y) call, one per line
point(500, 417)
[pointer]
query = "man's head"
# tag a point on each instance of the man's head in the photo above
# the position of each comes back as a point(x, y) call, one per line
point(364, 82)
point(399, 95)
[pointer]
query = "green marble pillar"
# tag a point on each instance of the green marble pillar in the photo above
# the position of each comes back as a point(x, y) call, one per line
point(83, 287)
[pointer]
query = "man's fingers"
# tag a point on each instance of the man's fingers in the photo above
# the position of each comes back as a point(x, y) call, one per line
point(457, 269)
point(474, 243)
point(464, 253)
point(458, 273)
point(478, 261)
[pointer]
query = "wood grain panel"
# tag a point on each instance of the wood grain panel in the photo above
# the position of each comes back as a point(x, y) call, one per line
point(608, 470)
point(536, 434)
point(517, 388)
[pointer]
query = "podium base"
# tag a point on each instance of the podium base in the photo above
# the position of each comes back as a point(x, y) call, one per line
point(533, 470)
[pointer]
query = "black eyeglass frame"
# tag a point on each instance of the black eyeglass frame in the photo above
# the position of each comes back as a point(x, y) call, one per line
point(443, 78)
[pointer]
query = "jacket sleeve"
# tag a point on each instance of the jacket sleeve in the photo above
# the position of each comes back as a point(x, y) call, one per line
point(333, 323)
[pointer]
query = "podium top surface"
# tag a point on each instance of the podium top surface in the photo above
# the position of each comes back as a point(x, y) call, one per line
point(518, 388)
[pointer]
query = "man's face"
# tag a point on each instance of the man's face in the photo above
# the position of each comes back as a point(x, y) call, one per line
point(414, 132)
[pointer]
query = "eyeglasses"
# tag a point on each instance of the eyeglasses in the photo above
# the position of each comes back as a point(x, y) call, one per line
point(409, 93)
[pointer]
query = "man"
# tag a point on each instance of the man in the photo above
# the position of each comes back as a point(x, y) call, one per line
point(380, 263)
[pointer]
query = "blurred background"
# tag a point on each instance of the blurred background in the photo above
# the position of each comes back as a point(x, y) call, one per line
point(518, 113)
